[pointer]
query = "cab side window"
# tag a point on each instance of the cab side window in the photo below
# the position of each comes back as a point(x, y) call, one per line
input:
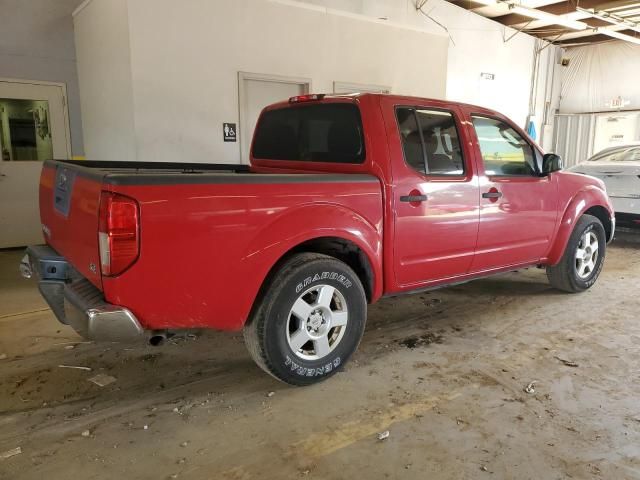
point(504, 151)
point(430, 141)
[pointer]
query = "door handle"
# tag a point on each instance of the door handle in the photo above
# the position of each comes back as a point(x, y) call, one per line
point(413, 198)
point(492, 195)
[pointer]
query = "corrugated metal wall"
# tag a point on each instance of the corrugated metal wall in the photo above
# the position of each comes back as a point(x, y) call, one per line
point(573, 137)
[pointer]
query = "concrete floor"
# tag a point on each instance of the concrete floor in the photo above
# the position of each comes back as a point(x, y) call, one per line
point(444, 372)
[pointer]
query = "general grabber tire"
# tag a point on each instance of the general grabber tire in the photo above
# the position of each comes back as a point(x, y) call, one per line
point(583, 258)
point(310, 319)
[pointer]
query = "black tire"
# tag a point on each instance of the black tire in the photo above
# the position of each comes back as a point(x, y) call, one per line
point(268, 331)
point(564, 276)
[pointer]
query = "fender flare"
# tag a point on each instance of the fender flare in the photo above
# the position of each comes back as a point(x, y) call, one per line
point(586, 198)
point(308, 222)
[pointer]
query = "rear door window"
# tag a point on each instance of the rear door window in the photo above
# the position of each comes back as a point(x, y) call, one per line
point(430, 141)
point(330, 132)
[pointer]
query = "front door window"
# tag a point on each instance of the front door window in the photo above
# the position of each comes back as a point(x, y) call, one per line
point(504, 151)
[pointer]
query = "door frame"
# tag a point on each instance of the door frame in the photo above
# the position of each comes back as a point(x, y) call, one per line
point(360, 87)
point(242, 99)
point(65, 104)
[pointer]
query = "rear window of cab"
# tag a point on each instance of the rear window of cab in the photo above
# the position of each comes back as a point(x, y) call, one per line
point(327, 132)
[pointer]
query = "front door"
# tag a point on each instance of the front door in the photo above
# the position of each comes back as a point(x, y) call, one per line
point(33, 128)
point(435, 193)
point(518, 207)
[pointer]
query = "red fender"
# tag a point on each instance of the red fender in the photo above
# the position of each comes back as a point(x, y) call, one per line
point(308, 222)
point(588, 197)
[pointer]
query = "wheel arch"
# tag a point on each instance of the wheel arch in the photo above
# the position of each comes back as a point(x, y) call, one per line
point(351, 239)
point(602, 214)
point(590, 201)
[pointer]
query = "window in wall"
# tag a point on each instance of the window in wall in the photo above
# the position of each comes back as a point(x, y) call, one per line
point(430, 141)
point(504, 151)
point(25, 133)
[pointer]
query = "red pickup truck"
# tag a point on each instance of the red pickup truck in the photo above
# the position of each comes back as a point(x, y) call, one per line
point(348, 198)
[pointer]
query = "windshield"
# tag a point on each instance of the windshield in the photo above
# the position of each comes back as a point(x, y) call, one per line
point(626, 154)
point(325, 132)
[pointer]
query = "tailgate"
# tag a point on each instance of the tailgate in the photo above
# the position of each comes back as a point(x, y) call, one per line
point(69, 213)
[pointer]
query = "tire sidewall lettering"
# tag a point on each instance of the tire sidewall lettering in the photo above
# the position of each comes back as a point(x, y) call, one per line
point(310, 280)
point(343, 281)
point(297, 368)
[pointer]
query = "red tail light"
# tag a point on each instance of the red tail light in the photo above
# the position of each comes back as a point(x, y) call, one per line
point(311, 97)
point(119, 233)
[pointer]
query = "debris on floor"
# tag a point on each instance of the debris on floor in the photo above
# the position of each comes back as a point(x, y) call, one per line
point(88, 369)
point(530, 387)
point(102, 380)
point(421, 340)
point(271, 394)
point(568, 363)
point(86, 433)
point(10, 453)
point(3, 356)
point(432, 302)
point(383, 435)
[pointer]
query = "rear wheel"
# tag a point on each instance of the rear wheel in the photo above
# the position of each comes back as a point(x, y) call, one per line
point(310, 320)
point(583, 258)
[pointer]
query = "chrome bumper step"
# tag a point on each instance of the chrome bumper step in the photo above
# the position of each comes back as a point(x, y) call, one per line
point(77, 302)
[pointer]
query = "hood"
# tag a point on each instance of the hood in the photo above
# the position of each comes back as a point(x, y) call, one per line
point(606, 168)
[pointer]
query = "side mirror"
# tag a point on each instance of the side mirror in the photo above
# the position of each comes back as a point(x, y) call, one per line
point(551, 163)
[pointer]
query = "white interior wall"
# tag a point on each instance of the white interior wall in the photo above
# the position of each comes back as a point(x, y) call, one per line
point(185, 58)
point(478, 45)
point(36, 43)
point(104, 70)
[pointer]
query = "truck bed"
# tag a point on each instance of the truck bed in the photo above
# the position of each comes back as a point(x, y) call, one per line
point(222, 224)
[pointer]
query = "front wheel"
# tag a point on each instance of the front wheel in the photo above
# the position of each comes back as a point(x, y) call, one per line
point(583, 257)
point(310, 320)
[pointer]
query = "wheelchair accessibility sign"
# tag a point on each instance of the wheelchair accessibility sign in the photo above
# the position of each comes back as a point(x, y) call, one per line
point(229, 132)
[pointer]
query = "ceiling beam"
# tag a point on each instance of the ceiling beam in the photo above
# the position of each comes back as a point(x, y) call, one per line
point(598, 37)
point(549, 35)
point(560, 8)
point(467, 4)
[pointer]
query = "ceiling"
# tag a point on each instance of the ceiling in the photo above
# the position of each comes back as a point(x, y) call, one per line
point(566, 23)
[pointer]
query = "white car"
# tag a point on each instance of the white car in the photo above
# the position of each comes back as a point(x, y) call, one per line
point(619, 168)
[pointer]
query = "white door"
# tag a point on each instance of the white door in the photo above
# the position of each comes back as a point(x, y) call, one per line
point(256, 91)
point(33, 127)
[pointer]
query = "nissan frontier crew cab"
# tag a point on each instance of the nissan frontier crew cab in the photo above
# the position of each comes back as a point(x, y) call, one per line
point(347, 198)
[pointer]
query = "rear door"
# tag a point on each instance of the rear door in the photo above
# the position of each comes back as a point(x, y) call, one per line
point(435, 192)
point(518, 207)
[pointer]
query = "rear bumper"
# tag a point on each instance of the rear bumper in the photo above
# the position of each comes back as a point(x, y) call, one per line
point(75, 301)
point(629, 205)
point(628, 220)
